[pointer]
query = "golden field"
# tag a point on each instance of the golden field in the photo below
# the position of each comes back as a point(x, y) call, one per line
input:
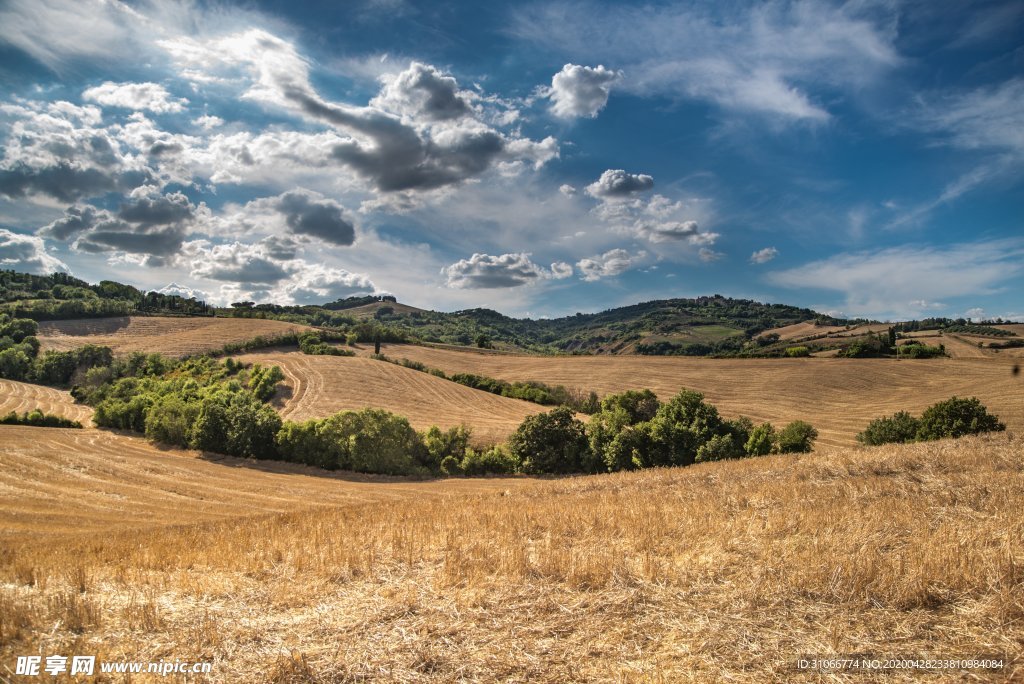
point(717, 572)
point(155, 334)
point(319, 386)
point(22, 397)
point(838, 396)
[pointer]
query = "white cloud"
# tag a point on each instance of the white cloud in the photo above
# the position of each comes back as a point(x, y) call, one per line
point(615, 183)
point(869, 279)
point(567, 190)
point(990, 117)
point(611, 263)
point(763, 256)
point(483, 271)
point(182, 291)
point(422, 91)
point(208, 122)
point(138, 96)
point(27, 253)
point(581, 91)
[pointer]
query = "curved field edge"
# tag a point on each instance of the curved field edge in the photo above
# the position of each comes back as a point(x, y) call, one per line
point(154, 334)
point(720, 571)
point(319, 386)
point(22, 397)
point(65, 481)
point(838, 396)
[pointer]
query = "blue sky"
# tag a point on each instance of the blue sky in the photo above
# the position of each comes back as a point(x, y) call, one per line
point(862, 158)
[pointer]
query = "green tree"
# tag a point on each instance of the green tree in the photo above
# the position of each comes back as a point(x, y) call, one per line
point(553, 442)
point(797, 437)
point(957, 417)
point(761, 440)
point(899, 428)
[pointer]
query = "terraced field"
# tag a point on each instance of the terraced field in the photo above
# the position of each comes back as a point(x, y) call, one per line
point(838, 396)
point(58, 481)
point(168, 336)
point(23, 397)
point(318, 386)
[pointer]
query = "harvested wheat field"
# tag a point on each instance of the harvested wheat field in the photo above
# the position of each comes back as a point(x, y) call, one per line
point(65, 481)
point(23, 397)
point(154, 334)
point(319, 386)
point(838, 396)
point(724, 571)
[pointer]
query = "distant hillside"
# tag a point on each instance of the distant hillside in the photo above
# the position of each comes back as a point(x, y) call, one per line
point(702, 326)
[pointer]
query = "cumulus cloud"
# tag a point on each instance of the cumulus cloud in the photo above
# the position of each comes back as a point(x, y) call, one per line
point(709, 255)
point(269, 270)
point(763, 256)
point(183, 291)
point(318, 284)
point(581, 91)
point(428, 141)
point(147, 223)
point(61, 152)
point(658, 219)
point(27, 253)
point(422, 91)
point(611, 263)
point(615, 183)
point(567, 190)
point(307, 214)
point(483, 271)
point(868, 279)
point(151, 97)
point(237, 262)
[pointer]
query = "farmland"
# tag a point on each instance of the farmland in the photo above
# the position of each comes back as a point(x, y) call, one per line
point(318, 386)
point(152, 334)
point(23, 397)
point(717, 571)
point(838, 396)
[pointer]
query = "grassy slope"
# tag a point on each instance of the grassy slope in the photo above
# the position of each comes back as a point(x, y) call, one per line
point(718, 571)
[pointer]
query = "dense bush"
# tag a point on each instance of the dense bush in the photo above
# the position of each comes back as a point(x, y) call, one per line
point(900, 427)
point(916, 350)
point(761, 440)
point(957, 417)
point(796, 438)
point(37, 418)
point(369, 441)
point(495, 461)
point(954, 417)
point(794, 352)
point(553, 442)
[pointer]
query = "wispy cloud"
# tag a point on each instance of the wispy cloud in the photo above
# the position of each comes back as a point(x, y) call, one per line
point(893, 283)
point(770, 58)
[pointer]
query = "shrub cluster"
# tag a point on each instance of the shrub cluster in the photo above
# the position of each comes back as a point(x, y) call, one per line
point(636, 430)
point(20, 358)
point(313, 343)
point(197, 403)
point(37, 418)
point(953, 417)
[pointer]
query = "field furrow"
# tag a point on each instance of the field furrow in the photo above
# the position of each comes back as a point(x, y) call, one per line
point(22, 397)
point(323, 385)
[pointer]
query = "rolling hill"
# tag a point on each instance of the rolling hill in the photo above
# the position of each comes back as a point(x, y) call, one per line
point(838, 396)
point(318, 386)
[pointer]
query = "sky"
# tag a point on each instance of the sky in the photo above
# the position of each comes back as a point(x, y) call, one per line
point(864, 159)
